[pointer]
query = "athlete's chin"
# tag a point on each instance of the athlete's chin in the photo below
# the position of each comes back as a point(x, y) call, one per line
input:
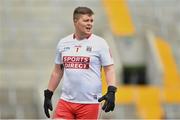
point(88, 33)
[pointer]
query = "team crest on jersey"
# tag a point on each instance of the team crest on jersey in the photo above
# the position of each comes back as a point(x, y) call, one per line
point(89, 48)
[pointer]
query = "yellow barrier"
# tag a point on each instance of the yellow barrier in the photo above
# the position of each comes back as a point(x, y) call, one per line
point(171, 95)
point(148, 103)
point(104, 84)
point(148, 99)
point(171, 76)
point(119, 17)
point(125, 94)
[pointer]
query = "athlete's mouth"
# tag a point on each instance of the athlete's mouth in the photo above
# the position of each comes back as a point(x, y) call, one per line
point(88, 28)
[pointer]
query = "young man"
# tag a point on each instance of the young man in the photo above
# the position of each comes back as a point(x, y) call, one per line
point(79, 58)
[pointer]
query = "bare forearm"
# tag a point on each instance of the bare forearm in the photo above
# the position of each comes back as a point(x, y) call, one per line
point(110, 75)
point(55, 78)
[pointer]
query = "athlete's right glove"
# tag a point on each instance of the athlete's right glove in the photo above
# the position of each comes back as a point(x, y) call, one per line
point(47, 102)
point(109, 98)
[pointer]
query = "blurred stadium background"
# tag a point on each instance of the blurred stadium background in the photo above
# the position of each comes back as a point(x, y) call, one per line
point(144, 36)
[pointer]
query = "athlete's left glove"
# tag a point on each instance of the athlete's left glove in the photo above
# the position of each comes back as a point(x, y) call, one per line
point(109, 98)
point(47, 102)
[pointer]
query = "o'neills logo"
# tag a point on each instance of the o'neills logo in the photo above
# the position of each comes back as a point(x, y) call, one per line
point(76, 62)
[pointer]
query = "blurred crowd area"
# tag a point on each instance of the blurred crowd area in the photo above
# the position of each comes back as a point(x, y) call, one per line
point(146, 53)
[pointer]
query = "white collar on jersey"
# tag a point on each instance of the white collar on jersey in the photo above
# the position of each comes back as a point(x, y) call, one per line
point(74, 36)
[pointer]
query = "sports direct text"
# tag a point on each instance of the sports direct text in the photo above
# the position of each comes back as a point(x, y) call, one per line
point(76, 62)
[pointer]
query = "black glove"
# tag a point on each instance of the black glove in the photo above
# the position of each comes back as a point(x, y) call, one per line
point(47, 102)
point(109, 98)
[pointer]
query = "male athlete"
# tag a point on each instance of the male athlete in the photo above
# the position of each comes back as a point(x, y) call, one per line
point(79, 59)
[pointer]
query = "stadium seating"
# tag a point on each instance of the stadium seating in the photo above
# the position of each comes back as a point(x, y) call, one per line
point(151, 99)
point(30, 30)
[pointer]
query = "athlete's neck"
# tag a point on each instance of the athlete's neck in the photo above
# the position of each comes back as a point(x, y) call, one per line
point(81, 37)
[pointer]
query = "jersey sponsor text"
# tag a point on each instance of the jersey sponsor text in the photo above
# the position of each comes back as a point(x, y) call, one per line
point(76, 62)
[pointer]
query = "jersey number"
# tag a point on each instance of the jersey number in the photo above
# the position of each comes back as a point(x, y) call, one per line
point(77, 49)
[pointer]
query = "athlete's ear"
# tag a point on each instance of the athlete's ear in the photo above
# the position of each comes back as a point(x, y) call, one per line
point(75, 20)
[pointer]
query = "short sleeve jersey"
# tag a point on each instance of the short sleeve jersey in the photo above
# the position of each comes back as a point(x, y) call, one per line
point(82, 60)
